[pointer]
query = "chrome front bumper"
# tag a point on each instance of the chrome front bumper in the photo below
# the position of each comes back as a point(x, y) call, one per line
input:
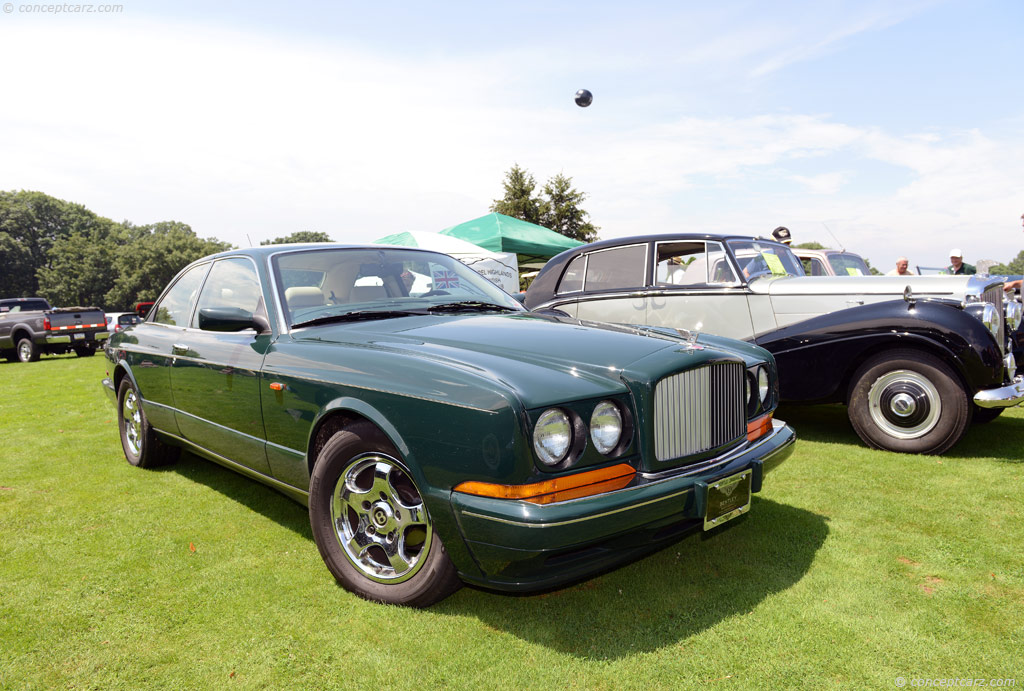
point(1005, 396)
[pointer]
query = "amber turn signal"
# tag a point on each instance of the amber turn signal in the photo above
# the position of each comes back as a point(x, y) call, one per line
point(759, 427)
point(574, 486)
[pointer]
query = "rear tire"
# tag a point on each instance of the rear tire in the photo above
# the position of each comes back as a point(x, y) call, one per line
point(908, 401)
point(27, 350)
point(141, 446)
point(371, 524)
point(85, 351)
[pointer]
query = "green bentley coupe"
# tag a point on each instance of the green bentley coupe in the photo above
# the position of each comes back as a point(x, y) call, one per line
point(437, 431)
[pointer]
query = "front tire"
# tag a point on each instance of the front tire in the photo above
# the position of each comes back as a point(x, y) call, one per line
point(27, 350)
point(908, 401)
point(141, 446)
point(85, 351)
point(371, 525)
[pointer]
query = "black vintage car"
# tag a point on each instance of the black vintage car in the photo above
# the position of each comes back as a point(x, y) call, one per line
point(916, 358)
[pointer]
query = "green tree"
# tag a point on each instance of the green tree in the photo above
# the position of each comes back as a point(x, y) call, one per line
point(151, 256)
point(82, 267)
point(560, 210)
point(300, 236)
point(519, 200)
point(810, 246)
point(30, 223)
point(1013, 268)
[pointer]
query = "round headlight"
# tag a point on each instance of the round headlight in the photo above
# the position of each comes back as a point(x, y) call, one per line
point(606, 427)
point(762, 384)
point(750, 391)
point(1013, 314)
point(552, 436)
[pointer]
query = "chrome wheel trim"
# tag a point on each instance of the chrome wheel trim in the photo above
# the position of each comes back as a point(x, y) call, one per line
point(25, 351)
point(132, 422)
point(379, 519)
point(904, 404)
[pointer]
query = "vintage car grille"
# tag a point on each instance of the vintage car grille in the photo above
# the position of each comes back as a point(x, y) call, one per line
point(698, 410)
point(994, 296)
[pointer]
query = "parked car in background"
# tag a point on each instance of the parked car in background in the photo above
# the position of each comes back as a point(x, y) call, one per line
point(827, 262)
point(30, 327)
point(914, 367)
point(118, 321)
point(441, 433)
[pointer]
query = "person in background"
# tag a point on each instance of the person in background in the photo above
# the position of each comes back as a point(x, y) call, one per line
point(902, 268)
point(783, 235)
point(956, 263)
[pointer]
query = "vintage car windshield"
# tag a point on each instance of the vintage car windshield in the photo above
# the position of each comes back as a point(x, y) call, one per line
point(321, 284)
point(846, 264)
point(758, 259)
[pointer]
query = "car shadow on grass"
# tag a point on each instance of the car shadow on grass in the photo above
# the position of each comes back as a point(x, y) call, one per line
point(250, 493)
point(820, 423)
point(665, 598)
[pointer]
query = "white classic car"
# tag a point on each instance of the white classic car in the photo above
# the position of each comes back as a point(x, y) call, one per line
point(915, 358)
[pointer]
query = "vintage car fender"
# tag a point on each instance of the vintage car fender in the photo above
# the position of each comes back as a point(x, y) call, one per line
point(817, 357)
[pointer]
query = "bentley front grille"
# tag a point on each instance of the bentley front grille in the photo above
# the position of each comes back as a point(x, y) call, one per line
point(699, 410)
point(994, 296)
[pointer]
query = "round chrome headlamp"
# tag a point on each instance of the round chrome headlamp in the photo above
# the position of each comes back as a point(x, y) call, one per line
point(750, 391)
point(762, 384)
point(1014, 312)
point(552, 436)
point(606, 427)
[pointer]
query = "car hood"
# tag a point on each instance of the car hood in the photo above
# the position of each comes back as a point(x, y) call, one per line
point(543, 359)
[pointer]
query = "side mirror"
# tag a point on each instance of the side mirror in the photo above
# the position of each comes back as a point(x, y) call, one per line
point(231, 319)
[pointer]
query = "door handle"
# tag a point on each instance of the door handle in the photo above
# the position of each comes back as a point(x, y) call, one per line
point(854, 302)
point(178, 349)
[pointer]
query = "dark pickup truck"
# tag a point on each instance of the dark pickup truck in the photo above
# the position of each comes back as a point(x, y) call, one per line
point(30, 327)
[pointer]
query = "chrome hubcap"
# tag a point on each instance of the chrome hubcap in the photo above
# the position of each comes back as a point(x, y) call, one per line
point(379, 519)
point(24, 351)
point(904, 404)
point(132, 422)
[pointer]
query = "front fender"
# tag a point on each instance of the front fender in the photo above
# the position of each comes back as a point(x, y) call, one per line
point(817, 357)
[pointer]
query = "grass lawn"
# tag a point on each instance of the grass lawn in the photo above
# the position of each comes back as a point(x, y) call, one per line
point(853, 568)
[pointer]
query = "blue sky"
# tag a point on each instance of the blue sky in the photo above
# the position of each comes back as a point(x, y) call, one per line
point(897, 125)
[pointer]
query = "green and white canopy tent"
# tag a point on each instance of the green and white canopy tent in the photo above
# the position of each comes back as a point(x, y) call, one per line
point(532, 244)
point(499, 268)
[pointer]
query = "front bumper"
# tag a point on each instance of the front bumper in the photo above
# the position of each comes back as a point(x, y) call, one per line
point(1002, 397)
point(522, 546)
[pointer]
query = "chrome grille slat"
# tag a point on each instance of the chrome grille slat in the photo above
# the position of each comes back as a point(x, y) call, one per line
point(698, 410)
point(994, 296)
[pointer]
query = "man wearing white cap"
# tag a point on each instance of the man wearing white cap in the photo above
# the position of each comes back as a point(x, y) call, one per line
point(956, 263)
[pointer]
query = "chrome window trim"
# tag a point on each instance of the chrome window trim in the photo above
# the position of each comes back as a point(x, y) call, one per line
point(586, 259)
point(151, 317)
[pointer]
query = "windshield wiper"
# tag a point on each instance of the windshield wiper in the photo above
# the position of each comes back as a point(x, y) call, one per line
point(359, 315)
point(470, 305)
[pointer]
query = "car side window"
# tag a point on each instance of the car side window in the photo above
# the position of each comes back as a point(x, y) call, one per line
point(572, 279)
point(176, 306)
point(814, 267)
point(622, 267)
point(232, 283)
point(693, 262)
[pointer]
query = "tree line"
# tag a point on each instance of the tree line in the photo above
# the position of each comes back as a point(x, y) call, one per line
point(64, 252)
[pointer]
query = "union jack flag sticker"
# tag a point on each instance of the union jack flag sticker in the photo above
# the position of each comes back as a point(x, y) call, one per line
point(445, 280)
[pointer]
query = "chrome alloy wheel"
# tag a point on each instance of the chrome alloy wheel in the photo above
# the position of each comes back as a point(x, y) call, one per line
point(379, 519)
point(904, 404)
point(25, 351)
point(132, 422)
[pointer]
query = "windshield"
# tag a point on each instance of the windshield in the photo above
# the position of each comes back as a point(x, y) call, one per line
point(847, 264)
point(326, 283)
point(757, 259)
